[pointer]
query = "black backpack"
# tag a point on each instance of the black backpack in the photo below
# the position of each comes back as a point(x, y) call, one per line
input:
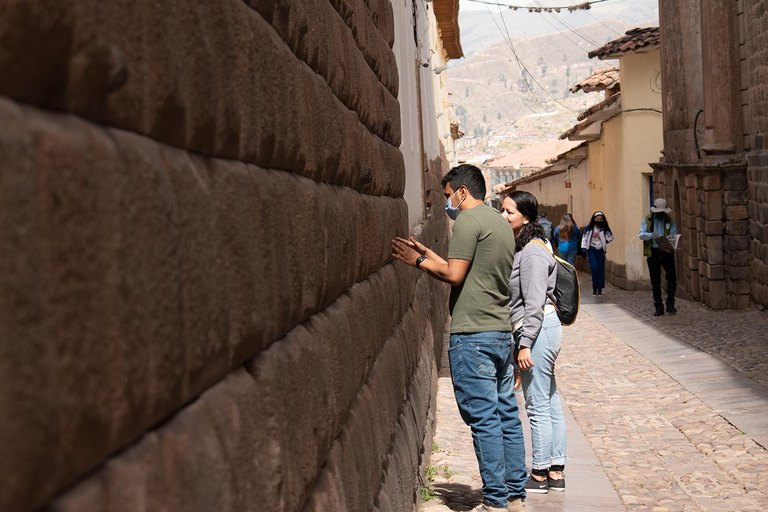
point(567, 294)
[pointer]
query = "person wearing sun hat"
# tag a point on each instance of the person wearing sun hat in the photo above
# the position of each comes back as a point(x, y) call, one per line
point(656, 224)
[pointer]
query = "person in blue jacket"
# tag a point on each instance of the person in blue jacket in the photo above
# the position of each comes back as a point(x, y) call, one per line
point(568, 237)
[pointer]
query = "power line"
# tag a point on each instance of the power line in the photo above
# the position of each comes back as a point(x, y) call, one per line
point(561, 32)
point(603, 23)
point(519, 65)
point(508, 39)
point(572, 29)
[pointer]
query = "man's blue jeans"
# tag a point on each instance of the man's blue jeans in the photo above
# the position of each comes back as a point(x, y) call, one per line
point(483, 382)
point(548, 438)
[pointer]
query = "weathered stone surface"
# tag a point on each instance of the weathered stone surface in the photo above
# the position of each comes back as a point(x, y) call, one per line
point(711, 182)
point(714, 250)
point(713, 205)
point(140, 275)
point(714, 271)
point(317, 35)
point(736, 212)
point(737, 227)
point(735, 181)
point(375, 45)
point(200, 99)
point(737, 243)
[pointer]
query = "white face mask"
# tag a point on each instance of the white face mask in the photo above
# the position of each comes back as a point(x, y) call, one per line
point(453, 211)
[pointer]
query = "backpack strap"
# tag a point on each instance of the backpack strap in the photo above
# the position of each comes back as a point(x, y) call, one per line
point(537, 241)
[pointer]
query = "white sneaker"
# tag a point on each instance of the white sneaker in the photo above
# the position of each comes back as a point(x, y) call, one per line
point(484, 507)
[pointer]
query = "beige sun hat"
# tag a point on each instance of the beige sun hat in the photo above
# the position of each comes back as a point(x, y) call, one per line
point(660, 205)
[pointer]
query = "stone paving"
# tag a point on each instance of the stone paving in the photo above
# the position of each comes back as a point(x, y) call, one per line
point(658, 445)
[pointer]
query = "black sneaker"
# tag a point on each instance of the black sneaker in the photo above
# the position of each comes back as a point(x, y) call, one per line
point(594, 291)
point(556, 484)
point(671, 310)
point(536, 487)
point(659, 312)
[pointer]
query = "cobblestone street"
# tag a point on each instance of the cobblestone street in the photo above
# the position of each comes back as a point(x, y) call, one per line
point(663, 413)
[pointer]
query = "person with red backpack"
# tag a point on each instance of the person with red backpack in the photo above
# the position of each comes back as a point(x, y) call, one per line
point(538, 334)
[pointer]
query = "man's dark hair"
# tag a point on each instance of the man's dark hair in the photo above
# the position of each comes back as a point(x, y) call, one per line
point(542, 215)
point(469, 176)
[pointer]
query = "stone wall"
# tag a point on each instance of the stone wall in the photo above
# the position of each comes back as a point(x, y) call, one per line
point(718, 187)
point(757, 66)
point(198, 308)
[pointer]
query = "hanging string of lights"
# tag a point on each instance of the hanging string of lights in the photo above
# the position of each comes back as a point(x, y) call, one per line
point(583, 6)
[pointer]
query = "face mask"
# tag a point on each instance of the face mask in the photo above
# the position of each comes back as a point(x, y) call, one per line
point(452, 211)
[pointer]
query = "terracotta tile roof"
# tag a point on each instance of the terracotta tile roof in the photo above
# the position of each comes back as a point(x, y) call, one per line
point(599, 106)
point(602, 111)
point(533, 156)
point(551, 168)
point(447, 15)
point(602, 79)
point(634, 40)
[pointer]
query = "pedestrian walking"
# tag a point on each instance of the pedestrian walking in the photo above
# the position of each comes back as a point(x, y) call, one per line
point(568, 236)
point(597, 236)
point(538, 335)
point(547, 225)
point(659, 223)
point(481, 349)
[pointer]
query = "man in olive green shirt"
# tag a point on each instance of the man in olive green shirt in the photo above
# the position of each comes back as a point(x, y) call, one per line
point(481, 348)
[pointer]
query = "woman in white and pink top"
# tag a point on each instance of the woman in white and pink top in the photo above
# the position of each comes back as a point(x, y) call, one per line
point(597, 236)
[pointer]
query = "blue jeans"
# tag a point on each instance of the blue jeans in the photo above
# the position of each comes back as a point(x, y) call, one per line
point(483, 381)
point(597, 265)
point(548, 439)
point(569, 256)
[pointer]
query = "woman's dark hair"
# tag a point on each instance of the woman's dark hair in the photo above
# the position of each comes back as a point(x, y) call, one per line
point(565, 228)
point(527, 204)
point(605, 226)
point(469, 176)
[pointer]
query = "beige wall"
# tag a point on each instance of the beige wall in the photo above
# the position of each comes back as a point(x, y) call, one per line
point(618, 162)
point(550, 191)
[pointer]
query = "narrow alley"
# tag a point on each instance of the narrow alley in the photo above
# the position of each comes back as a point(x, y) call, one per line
point(663, 414)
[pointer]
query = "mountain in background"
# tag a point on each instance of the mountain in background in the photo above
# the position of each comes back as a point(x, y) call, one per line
point(506, 102)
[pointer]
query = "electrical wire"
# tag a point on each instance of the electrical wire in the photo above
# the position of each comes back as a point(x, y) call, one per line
point(572, 29)
point(603, 23)
point(520, 65)
point(508, 39)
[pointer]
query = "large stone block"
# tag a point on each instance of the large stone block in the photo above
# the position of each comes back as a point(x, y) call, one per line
point(735, 181)
point(201, 98)
point(714, 250)
point(373, 43)
point(713, 227)
point(713, 206)
point(318, 36)
point(737, 243)
point(712, 182)
point(213, 455)
point(141, 274)
point(736, 212)
point(737, 227)
point(717, 295)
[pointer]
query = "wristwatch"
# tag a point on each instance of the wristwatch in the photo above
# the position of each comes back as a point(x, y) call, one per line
point(419, 261)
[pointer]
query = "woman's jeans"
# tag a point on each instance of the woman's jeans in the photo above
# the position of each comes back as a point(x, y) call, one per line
point(541, 399)
point(597, 265)
point(569, 256)
point(483, 382)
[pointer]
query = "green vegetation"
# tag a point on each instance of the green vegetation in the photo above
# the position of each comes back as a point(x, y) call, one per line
point(426, 493)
